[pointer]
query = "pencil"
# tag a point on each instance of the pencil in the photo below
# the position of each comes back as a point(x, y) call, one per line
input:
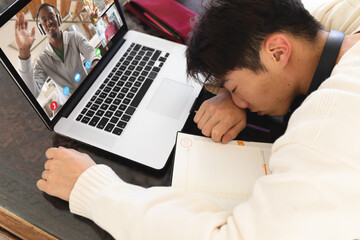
point(261, 129)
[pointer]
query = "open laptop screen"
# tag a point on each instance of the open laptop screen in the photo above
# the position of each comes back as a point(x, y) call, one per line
point(54, 49)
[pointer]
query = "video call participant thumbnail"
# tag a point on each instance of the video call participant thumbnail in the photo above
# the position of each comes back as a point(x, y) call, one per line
point(61, 59)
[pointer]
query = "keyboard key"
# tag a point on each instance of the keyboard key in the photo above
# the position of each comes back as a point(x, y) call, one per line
point(100, 113)
point(141, 93)
point(144, 73)
point(99, 101)
point(104, 106)
point(134, 89)
point(109, 127)
point(120, 95)
point(118, 113)
point(124, 78)
point(125, 118)
point(85, 120)
point(79, 117)
point(126, 101)
point(108, 114)
point(108, 100)
point(116, 101)
point(152, 75)
point(118, 74)
point(121, 124)
point(130, 111)
point(90, 113)
point(135, 62)
point(130, 58)
point(156, 55)
point(120, 83)
point(94, 121)
point(130, 95)
point(112, 107)
point(117, 131)
point(124, 90)
point(114, 120)
point(122, 107)
point(135, 73)
point(112, 94)
point(102, 123)
point(94, 107)
point(137, 47)
point(156, 69)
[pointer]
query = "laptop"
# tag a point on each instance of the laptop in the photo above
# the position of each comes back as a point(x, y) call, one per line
point(130, 94)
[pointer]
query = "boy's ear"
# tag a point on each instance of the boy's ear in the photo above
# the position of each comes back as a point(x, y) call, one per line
point(278, 47)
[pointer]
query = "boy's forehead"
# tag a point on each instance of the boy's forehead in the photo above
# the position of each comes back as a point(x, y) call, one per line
point(46, 11)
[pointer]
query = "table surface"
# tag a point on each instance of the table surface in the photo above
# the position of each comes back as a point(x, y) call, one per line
point(27, 212)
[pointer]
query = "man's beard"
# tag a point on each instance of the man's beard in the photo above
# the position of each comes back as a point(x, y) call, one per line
point(54, 35)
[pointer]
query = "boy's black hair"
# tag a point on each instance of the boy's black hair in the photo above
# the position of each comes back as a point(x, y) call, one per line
point(229, 34)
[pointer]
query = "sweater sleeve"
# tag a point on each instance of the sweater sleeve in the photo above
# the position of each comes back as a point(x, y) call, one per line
point(341, 15)
point(34, 78)
point(131, 212)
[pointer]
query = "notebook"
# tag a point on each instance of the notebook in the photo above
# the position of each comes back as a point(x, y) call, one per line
point(223, 173)
point(119, 90)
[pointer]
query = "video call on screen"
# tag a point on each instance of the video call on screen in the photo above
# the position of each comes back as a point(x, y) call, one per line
point(53, 73)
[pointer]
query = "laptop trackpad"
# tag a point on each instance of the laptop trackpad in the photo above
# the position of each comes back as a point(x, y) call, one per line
point(170, 98)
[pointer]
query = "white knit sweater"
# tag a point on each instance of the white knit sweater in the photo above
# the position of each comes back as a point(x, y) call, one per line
point(313, 192)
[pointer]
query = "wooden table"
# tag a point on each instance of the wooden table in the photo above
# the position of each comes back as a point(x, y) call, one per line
point(26, 212)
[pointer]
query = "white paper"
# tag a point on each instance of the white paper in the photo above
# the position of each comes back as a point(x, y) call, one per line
point(225, 173)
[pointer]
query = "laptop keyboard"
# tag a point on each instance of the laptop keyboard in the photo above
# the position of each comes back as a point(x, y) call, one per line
point(117, 98)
